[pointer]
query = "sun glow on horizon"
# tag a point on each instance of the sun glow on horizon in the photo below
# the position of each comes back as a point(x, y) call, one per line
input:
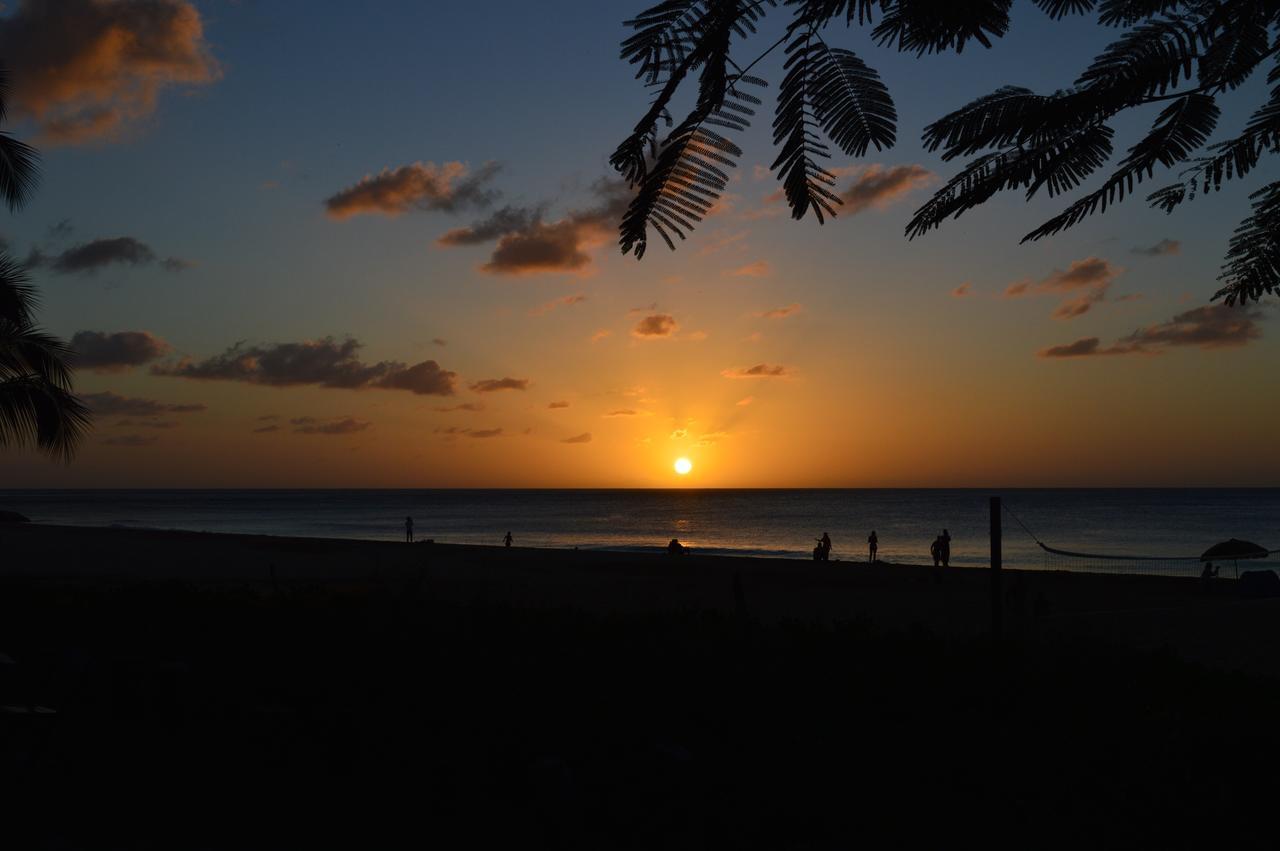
point(683, 466)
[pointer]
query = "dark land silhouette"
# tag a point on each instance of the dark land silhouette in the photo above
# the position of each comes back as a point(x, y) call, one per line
point(259, 692)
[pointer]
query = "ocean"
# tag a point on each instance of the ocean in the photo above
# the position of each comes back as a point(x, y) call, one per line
point(779, 523)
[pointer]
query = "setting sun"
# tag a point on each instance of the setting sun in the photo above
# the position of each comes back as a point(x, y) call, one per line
point(683, 466)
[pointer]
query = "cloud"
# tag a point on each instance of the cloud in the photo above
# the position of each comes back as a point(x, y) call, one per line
point(555, 405)
point(1210, 327)
point(110, 404)
point(963, 290)
point(500, 223)
point(176, 264)
point(89, 257)
point(117, 351)
point(1161, 248)
point(745, 401)
point(1089, 279)
point(266, 418)
point(877, 186)
point(585, 437)
point(493, 385)
point(60, 230)
point(655, 326)
point(81, 69)
point(485, 432)
point(332, 426)
point(130, 440)
point(439, 341)
point(265, 429)
point(680, 434)
point(780, 312)
point(623, 412)
point(566, 301)
point(758, 269)
point(760, 370)
point(323, 363)
point(600, 335)
point(417, 186)
point(527, 244)
point(473, 407)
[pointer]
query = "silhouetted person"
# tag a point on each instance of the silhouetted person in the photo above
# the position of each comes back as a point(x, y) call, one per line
point(1207, 575)
point(675, 548)
point(944, 543)
point(408, 530)
point(823, 551)
point(506, 541)
point(874, 543)
point(935, 550)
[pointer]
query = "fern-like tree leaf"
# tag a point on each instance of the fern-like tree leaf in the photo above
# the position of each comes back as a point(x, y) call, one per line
point(1253, 261)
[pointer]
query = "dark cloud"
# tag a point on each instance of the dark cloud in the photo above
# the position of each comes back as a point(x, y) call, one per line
point(1210, 327)
point(473, 407)
point(266, 418)
point(760, 370)
point(1161, 248)
point(657, 325)
point(323, 363)
point(585, 437)
point(439, 341)
point(161, 424)
point(83, 68)
point(117, 351)
point(877, 186)
point(1088, 280)
point(965, 289)
point(502, 222)
point(450, 187)
point(60, 230)
point(485, 432)
point(537, 246)
point(334, 426)
point(456, 431)
point(130, 440)
point(555, 405)
point(176, 264)
point(110, 404)
point(265, 429)
point(492, 385)
point(623, 412)
point(92, 256)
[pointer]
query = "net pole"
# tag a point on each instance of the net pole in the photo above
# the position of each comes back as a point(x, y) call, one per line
point(997, 619)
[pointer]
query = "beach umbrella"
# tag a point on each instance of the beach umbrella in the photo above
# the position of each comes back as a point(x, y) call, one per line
point(1235, 550)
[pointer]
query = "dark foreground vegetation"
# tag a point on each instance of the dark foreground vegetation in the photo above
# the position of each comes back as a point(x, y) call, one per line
point(379, 718)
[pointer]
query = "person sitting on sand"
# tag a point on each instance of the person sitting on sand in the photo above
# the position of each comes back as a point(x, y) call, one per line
point(874, 543)
point(944, 543)
point(408, 530)
point(675, 548)
point(935, 550)
point(1208, 574)
point(506, 541)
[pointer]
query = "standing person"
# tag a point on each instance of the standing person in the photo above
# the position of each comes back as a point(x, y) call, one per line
point(935, 550)
point(944, 541)
point(874, 543)
point(825, 544)
point(506, 541)
point(408, 530)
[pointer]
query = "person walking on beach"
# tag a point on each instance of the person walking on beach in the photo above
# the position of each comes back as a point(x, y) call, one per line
point(408, 530)
point(874, 543)
point(506, 541)
point(935, 550)
point(944, 542)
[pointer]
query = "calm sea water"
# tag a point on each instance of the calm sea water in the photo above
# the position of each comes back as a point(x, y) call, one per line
point(741, 522)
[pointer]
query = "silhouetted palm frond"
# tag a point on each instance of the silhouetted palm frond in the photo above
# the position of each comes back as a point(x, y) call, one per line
point(1061, 8)
point(34, 412)
point(18, 299)
point(934, 26)
point(1253, 261)
point(19, 162)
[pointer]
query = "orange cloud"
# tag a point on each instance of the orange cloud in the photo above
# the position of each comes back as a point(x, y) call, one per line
point(877, 186)
point(780, 312)
point(760, 370)
point(585, 437)
point(758, 269)
point(81, 69)
point(600, 335)
point(566, 301)
point(1089, 279)
point(417, 186)
point(963, 290)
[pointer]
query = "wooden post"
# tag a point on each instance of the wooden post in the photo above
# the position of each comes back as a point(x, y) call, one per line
point(997, 597)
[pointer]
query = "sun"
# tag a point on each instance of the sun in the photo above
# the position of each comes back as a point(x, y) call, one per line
point(683, 466)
